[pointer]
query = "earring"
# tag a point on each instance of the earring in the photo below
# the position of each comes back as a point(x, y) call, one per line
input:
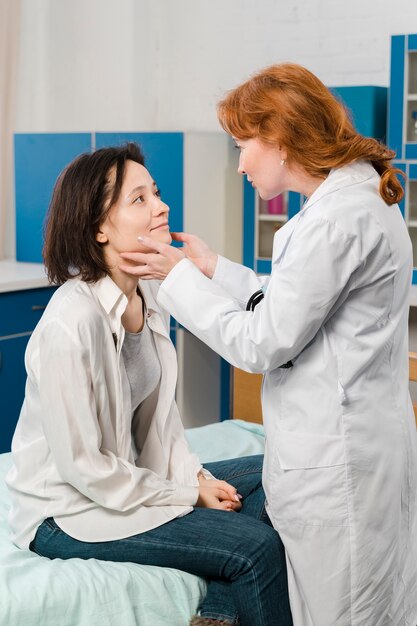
point(283, 162)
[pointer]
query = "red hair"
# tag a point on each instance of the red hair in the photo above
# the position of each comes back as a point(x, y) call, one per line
point(288, 106)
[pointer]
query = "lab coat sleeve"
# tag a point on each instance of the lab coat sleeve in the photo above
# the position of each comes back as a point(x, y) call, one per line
point(301, 293)
point(239, 281)
point(72, 428)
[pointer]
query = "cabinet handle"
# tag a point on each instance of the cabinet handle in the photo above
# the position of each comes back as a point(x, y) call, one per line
point(38, 307)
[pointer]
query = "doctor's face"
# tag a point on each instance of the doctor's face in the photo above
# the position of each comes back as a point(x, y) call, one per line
point(262, 165)
point(139, 210)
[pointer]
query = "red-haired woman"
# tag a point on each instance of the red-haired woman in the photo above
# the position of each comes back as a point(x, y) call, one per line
point(330, 337)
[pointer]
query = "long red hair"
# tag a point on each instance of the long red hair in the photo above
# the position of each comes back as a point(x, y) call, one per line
point(288, 106)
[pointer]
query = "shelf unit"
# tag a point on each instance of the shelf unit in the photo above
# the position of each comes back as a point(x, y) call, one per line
point(402, 126)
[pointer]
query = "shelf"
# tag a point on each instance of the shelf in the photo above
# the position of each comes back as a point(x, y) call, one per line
point(412, 96)
point(411, 124)
point(272, 217)
point(412, 72)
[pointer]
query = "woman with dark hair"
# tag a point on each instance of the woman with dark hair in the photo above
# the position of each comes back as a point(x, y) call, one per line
point(330, 336)
point(101, 464)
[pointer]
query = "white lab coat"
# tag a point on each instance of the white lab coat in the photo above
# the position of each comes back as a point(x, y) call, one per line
point(340, 468)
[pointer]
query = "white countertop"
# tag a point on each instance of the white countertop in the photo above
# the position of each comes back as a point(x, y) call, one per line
point(15, 276)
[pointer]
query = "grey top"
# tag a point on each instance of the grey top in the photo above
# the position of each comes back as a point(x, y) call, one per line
point(142, 364)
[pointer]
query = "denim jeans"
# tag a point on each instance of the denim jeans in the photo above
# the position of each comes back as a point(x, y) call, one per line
point(240, 554)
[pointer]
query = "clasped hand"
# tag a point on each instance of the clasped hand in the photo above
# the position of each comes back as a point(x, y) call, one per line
point(218, 494)
point(161, 258)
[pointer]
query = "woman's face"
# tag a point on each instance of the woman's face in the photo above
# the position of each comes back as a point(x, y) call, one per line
point(139, 210)
point(262, 165)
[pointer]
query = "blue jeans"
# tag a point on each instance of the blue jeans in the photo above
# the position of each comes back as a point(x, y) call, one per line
point(240, 554)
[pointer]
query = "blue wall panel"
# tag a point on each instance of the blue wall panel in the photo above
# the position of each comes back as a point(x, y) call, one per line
point(39, 158)
point(164, 158)
point(368, 107)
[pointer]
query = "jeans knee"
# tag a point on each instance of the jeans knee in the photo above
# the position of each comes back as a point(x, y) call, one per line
point(268, 547)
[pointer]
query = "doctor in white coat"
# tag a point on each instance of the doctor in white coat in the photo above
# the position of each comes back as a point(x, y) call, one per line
point(330, 337)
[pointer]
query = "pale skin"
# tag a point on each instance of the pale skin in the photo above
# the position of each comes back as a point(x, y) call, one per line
point(140, 210)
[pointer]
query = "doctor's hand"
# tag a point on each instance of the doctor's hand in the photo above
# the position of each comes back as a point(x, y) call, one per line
point(156, 264)
point(197, 251)
point(218, 494)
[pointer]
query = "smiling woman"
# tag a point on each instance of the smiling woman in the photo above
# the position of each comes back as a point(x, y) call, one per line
point(117, 480)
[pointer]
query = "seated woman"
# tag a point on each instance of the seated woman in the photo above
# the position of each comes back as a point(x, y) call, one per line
point(101, 464)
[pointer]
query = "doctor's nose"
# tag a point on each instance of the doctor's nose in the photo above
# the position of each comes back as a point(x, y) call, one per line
point(241, 170)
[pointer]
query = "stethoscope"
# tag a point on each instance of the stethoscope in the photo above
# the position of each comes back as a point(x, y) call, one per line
point(253, 301)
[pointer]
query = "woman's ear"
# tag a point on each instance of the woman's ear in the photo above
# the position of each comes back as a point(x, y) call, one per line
point(101, 237)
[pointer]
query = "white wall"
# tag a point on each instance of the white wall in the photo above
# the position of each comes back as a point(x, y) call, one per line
point(163, 64)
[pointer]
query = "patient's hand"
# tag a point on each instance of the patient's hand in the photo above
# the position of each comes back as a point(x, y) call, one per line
point(218, 494)
point(198, 252)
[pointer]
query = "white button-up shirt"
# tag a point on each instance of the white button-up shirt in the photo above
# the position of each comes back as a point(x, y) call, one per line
point(78, 455)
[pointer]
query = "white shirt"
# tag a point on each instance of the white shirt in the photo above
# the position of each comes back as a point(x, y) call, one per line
point(78, 455)
point(340, 470)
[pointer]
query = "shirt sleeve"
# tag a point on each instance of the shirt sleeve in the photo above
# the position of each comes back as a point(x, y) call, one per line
point(73, 428)
point(301, 293)
point(239, 281)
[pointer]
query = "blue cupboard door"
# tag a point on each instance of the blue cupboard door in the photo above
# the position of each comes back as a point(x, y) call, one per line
point(12, 386)
point(164, 158)
point(39, 159)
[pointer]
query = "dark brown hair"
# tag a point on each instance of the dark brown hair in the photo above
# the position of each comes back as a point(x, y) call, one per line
point(81, 200)
point(289, 106)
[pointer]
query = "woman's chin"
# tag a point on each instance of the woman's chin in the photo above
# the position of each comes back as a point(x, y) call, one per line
point(164, 236)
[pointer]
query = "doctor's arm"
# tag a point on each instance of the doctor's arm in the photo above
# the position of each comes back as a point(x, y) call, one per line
point(239, 281)
point(300, 296)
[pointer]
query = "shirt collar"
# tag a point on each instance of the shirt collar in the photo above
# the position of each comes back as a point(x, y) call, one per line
point(341, 177)
point(108, 294)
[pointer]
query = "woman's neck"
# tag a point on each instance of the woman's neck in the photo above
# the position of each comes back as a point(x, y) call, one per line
point(132, 318)
point(126, 283)
point(304, 183)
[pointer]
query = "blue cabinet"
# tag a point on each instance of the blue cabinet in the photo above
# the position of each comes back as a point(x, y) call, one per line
point(261, 220)
point(39, 158)
point(20, 311)
point(402, 125)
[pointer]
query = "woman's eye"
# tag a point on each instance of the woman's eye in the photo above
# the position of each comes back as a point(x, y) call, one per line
point(158, 193)
point(139, 200)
